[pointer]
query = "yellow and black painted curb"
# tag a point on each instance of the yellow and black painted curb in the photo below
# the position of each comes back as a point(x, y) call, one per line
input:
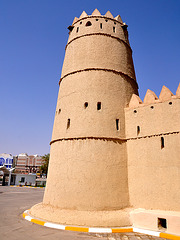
point(25, 186)
point(28, 217)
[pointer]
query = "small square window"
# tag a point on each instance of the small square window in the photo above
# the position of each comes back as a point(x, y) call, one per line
point(22, 179)
point(162, 223)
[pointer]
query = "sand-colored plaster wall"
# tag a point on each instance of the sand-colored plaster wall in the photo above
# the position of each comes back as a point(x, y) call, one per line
point(163, 117)
point(98, 51)
point(89, 174)
point(112, 90)
point(153, 169)
point(154, 173)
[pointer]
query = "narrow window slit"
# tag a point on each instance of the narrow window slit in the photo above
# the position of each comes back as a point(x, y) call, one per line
point(68, 123)
point(117, 124)
point(162, 142)
point(114, 29)
point(77, 30)
point(101, 25)
point(138, 130)
point(98, 105)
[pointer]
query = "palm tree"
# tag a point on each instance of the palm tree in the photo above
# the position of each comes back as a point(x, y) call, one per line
point(45, 163)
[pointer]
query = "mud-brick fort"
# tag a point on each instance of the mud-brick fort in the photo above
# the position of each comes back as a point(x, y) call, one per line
point(115, 159)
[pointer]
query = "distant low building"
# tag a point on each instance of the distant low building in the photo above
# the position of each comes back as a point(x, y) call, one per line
point(23, 179)
point(6, 160)
point(28, 164)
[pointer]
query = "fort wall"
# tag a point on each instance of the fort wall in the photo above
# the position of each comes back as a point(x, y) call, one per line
point(111, 153)
point(153, 140)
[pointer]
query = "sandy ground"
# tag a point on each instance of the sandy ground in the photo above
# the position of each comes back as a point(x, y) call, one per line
point(13, 202)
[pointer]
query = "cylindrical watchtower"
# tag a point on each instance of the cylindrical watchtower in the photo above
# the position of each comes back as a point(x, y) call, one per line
point(87, 177)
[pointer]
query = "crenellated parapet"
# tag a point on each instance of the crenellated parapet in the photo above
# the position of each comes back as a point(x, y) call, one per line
point(151, 98)
point(153, 116)
point(97, 15)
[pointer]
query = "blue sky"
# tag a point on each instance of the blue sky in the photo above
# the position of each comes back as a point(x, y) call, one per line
point(32, 46)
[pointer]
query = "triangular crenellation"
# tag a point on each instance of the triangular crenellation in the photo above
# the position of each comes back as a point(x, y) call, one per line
point(118, 18)
point(178, 91)
point(83, 14)
point(150, 97)
point(108, 14)
point(135, 101)
point(96, 13)
point(75, 20)
point(165, 94)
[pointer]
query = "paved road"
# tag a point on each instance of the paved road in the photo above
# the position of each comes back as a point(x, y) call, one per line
point(14, 200)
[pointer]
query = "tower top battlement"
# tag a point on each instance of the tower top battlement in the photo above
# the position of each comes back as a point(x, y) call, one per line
point(99, 24)
point(97, 34)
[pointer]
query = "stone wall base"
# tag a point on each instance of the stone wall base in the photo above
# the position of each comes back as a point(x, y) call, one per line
point(118, 218)
point(156, 220)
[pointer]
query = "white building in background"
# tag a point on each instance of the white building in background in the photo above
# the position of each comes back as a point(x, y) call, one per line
point(6, 160)
point(23, 179)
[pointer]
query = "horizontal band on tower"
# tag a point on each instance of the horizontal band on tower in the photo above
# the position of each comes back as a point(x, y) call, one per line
point(112, 139)
point(153, 135)
point(100, 69)
point(96, 138)
point(102, 34)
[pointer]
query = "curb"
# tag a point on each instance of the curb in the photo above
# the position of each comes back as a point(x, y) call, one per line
point(27, 216)
point(25, 186)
